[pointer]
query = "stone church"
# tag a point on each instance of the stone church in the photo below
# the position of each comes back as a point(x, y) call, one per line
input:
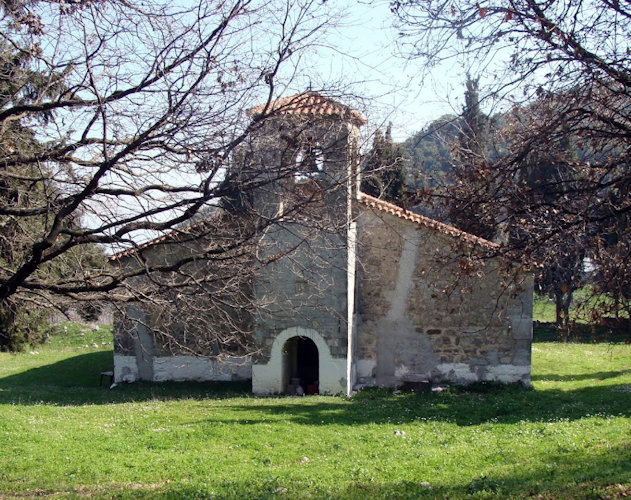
point(355, 292)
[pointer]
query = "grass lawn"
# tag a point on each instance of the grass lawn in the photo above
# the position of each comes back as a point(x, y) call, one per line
point(62, 435)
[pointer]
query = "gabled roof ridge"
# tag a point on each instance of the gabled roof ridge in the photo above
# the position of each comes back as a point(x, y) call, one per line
point(402, 213)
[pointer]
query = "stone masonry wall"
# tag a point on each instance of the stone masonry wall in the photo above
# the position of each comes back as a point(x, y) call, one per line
point(306, 289)
point(425, 312)
point(191, 320)
point(307, 286)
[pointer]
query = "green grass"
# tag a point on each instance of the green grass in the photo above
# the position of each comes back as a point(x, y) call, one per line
point(68, 336)
point(62, 435)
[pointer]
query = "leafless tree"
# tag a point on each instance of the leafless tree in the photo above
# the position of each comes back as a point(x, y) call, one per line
point(561, 73)
point(119, 122)
point(274, 248)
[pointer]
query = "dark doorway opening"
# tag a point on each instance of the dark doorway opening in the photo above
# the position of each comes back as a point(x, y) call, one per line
point(301, 366)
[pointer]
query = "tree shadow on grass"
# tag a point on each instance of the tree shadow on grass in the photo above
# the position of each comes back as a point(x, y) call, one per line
point(581, 333)
point(602, 475)
point(461, 406)
point(582, 376)
point(75, 381)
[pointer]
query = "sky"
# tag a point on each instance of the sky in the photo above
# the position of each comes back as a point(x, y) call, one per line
point(362, 51)
point(368, 54)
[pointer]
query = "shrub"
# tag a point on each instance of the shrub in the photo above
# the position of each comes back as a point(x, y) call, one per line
point(21, 325)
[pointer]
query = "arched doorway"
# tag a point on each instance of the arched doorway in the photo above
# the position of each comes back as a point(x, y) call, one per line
point(301, 366)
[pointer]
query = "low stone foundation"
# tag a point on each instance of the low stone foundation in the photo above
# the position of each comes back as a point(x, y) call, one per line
point(185, 368)
point(455, 373)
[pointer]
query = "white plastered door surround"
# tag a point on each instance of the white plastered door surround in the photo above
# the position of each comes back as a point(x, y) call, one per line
point(268, 378)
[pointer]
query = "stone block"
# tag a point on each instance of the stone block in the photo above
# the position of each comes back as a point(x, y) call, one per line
point(522, 353)
point(521, 327)
point(125, 368)
point(478, 361)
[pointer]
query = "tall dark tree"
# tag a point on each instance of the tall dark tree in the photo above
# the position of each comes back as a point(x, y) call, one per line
point(24, 189)
point(473, 134)
point(546, 177)
point(470, 183)
point(394, 175)
point(383, 172)
point(373, 165)
point(563, 273)
point(611, 261)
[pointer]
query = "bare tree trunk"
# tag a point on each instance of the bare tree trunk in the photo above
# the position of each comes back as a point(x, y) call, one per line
point(562, 303)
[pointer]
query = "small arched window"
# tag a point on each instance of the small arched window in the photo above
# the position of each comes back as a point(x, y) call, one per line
point(309, 161)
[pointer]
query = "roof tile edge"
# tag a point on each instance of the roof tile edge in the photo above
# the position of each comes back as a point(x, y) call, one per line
point(392, 209)
point(309, 104)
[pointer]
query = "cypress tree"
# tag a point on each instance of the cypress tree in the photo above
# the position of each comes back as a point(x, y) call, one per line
point(384, 171)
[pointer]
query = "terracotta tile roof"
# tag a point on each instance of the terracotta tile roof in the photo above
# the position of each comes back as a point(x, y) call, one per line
point(383, 206)
point(310, 104)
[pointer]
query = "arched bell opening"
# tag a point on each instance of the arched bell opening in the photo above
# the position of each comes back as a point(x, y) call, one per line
point(301, 366)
